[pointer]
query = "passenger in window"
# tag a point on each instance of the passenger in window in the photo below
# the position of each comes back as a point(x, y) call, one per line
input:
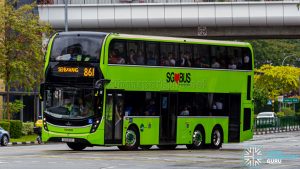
point(185, 111)
point(171, 59)
point(140, 58)
point(151, 108)
point(231, 64)
point(151, 60)
point(223, 64)
point(246, 65)
point(132, 57)
point(184, 60)
point(115, 58)
point(215, 63)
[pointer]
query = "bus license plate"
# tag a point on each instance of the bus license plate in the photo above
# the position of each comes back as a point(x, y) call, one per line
point(68, 140)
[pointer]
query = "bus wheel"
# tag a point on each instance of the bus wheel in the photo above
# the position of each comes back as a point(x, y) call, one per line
point(76, 146)
point(216, 138)
point(198, 140)
point(122, 148)
point(167, 147)
point(131, 139)
point(145, 147)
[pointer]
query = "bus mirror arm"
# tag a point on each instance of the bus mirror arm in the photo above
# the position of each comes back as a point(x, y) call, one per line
point(100, 83)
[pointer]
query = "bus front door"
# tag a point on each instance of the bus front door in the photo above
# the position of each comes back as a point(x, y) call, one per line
point(113, 118)
point(168, 102)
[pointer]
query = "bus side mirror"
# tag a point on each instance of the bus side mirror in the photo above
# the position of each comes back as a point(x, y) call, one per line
point(100, 83)
point(42, 89)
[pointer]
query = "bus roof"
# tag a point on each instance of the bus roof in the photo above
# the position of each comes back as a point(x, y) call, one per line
point(184, 40)
point(160, 38)
point(82, 33)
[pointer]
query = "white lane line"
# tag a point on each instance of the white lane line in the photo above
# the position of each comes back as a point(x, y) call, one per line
point(3, 162)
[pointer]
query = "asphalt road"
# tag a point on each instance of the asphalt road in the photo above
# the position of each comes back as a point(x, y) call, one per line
point(281, 149)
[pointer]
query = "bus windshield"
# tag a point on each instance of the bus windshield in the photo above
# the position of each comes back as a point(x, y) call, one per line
point(76, 48)
point(69, 103)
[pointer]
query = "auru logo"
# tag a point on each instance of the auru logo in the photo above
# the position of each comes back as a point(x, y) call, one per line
point(178, 77)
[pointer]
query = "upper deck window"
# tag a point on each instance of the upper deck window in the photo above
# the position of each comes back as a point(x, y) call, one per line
point(134, 52)
point(83, 48)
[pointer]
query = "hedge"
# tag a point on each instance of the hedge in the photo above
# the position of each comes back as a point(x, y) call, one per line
point(15, 128)
point(5, 125)
point(27, 128)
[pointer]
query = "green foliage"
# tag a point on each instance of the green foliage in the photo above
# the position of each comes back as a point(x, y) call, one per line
point(274, 51)
point(15, 128)
point(27, 128)
point(280, 114)
point(5, 125)
point(276, 80)
point(15, 106)
point(260, 97)
point(287, 111)
point(21, 54)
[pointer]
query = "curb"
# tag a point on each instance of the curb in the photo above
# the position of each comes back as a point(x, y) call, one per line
point(276, 131)
point(22, 143)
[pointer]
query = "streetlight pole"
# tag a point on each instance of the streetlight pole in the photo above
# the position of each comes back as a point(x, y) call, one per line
point(66, 15)
point(285, 59)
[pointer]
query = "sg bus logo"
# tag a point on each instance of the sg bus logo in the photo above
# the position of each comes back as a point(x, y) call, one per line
point(88, 72)
point(178, 77)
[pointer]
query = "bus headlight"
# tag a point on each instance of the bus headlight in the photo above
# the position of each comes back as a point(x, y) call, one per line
point(45, 124)
point(95, 125)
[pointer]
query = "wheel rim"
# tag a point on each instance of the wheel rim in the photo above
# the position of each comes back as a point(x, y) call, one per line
point(130, 138)
point(197, 138)
point(217, 137)
point(5, 140)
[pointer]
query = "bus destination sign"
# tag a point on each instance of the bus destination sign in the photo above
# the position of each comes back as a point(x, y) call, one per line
point(81, 71)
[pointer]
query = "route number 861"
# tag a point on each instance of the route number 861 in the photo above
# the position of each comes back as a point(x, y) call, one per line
point(88, 72)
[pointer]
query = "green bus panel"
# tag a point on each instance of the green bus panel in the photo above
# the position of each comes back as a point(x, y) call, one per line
point(96, 138)
point(135, 78)
point(148, 129)
point(187, 125)
point(246, 134)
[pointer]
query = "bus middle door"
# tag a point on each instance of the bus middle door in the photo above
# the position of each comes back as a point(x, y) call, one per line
point(114, 118)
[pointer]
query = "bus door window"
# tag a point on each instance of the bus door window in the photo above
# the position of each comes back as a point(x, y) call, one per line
point(109, 117)
point(118, 116)
point(113, 118)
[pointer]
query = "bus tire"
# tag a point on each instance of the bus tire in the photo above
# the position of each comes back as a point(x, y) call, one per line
point(76, 146)
point(167, 147)
point(198, 139)
point(122, 148)
point(145, 147)
point(216, 138)
point(132, 139)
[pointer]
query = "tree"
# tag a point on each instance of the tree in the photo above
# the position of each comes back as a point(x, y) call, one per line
point(21, 54)
point(276, 80)
point(273, 51)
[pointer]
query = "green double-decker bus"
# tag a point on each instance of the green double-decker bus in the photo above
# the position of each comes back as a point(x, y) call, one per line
point(131, 91)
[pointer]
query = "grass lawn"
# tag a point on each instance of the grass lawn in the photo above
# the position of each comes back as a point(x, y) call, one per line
point(24, 138)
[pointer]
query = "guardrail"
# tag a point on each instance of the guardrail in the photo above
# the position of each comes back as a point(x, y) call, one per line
point(274, 125)
point(141, 1)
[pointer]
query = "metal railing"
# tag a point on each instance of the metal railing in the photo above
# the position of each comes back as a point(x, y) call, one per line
point(273, 125)
point(139, 1)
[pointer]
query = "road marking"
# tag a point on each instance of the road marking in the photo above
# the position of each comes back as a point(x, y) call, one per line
point(3, 162)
